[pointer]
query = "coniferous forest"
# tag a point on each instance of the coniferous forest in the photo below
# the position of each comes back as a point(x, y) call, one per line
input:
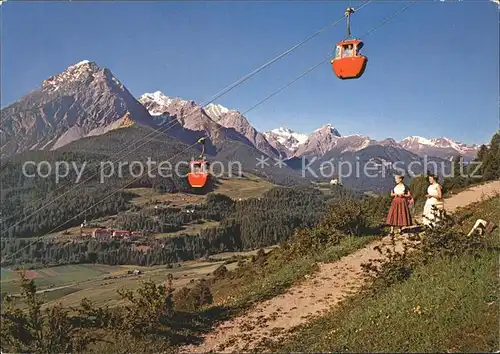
point(243, 225)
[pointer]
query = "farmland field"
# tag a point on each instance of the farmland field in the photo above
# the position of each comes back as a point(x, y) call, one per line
point(191, 229)
point(99, 283)
point(242, 187)
point(58, 276)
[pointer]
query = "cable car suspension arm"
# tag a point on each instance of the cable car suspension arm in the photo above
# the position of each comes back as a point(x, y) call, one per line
point(348, 13)
point(202, 142)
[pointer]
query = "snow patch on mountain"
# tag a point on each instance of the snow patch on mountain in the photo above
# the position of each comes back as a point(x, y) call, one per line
point(327, 128)
point(417, 140)
point(286, 137)
point(443, 147)
point(215, 111)
point(73, 73)
point(156, 102)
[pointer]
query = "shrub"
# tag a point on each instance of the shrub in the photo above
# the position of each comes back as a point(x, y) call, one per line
point(195, 298)
point(220, 273)
point(348, 216)
point(35, 331)
point(446, 240)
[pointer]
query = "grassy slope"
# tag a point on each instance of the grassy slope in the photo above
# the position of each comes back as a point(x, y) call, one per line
point(237, 187)
point(189, 229)
point(447, 305)
point(251, 288)
point(251, 284)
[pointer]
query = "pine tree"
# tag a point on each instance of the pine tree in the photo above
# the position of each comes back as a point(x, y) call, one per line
point(492, 159)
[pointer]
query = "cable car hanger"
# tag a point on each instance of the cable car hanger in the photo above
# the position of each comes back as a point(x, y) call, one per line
point(202, 142)
point(348, 13)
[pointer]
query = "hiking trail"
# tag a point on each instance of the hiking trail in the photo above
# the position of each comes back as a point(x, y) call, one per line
point(317, 294)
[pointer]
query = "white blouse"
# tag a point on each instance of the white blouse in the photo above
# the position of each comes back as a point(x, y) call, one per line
point(399, 189)
point(432, 190)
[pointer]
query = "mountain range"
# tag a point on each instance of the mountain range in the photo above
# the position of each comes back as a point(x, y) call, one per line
point(86, 100)
point(327, 138)
point(285, 142)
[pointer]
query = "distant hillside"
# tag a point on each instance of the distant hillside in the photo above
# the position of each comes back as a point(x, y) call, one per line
point(369, 169)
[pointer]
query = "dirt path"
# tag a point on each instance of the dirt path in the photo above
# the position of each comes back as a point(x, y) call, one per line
point(472, 195)
point(317, 294)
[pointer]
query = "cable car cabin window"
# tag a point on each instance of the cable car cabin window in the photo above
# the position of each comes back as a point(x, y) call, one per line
point(358, 48)
point(197, 168)
point(348, 50)
point(338, 52)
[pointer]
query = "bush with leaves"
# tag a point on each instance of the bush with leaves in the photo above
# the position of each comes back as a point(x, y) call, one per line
point(345, 217)
point(195, 298)
point(485, 167)
point(460, 177)
point(491, 159)
point(32, 330)
point(395, 267)
point(418, 188)
point(447, 240)
point(220, 273)
point(302, 243)
point(26, 328)
point(148, 307)
point(348, 216)
point(444, 240)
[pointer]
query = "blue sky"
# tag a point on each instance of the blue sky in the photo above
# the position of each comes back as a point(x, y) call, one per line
point(432, 71)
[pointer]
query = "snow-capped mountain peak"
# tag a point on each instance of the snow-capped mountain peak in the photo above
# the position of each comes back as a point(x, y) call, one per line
point(80, 63)
point(82, 71)
point(286, 137)
point(389, 142)
point(290, 143)
point(216, 110)
point(443, 147)
point(99, 104)
point(435, 142)
point(327, 129)
point(157, 96)
point(282, 131)
point(417, 140)
point(158, 103)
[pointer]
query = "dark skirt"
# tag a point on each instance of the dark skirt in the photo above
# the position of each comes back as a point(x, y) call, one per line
point(399, 214)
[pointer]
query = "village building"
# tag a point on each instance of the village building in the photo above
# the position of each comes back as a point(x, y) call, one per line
point(101, 235)
point(121, 233)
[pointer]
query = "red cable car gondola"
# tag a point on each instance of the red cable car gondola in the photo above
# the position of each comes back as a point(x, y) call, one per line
point(348, 63)
point(198, 173)
point(198, 169)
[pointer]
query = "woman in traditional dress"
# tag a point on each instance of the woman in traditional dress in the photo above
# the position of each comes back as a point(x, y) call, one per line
point(434, 205)
point(399, 213)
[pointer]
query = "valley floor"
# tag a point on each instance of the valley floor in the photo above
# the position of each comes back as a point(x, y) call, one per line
point(69, 284)
point(271, 320)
